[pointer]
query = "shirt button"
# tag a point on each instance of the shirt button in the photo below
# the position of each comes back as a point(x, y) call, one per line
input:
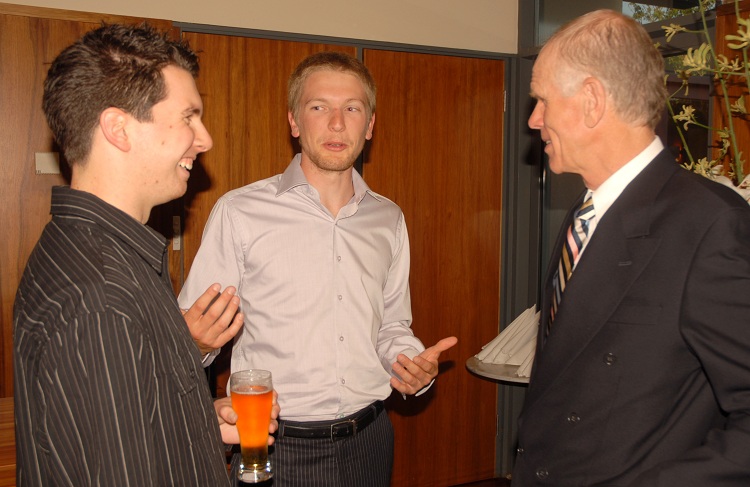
point(338, 258)
point(343, 381)
point(341, 339)
point(542, 474)
point(573, 418)
point(340, 297)
point(610, 358)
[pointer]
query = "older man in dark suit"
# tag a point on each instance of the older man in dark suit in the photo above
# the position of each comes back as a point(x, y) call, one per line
point(642, 371)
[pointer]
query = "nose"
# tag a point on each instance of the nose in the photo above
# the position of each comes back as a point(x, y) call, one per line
point(203, 141)
point(336, 122)
point(536, 120)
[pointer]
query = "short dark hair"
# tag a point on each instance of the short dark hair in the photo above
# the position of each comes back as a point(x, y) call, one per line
point(113, 66)
point(331, 60)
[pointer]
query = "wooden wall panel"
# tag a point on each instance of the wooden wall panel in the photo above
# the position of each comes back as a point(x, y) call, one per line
point(27, 46)
point(726, 23)
point(30, 38)
point(437, 152)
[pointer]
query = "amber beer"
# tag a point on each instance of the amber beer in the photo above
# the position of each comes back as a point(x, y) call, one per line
point(252, 399)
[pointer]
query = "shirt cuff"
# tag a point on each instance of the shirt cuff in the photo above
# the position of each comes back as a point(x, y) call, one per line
point(209, 357)
point(424, 389)
point(421, 391)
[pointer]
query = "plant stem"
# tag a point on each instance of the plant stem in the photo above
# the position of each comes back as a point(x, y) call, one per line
point(680, 132)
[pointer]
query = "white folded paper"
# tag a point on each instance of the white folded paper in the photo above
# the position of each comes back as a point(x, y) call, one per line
point(515, 345)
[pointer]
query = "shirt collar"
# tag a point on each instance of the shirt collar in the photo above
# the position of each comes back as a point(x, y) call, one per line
point(145, 241)
point(606, 194)
point(293, 176)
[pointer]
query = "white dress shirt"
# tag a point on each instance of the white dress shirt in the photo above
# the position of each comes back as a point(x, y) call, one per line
point(326, 299)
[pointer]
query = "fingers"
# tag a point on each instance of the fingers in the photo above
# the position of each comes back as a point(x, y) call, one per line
point(224, 411)
point(275, 409)
point(274, 424)
point(223, 309)
point(433, 353)
point(417, 373)
point(414, 374)
point(225, 334)
point(213, 319)
point(445, 343)
point(400, 386)
point(227, 419)
point(200, 305)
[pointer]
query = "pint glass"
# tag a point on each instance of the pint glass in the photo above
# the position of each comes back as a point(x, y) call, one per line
point(252, 399)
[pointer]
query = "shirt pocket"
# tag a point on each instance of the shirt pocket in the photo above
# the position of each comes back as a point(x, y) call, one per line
point(193, 412)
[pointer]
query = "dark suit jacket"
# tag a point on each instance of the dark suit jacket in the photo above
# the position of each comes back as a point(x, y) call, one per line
point(644, 379)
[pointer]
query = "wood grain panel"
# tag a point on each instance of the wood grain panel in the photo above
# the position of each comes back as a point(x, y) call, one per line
point(437, 152)
point(7, 443)
point(27, 46)
point(30, 38)
point(726, 23)
point(78, 16)
point(243, 85)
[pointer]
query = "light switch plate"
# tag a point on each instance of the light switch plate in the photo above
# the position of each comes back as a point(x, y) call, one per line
point(47, 162)
point(176, 233)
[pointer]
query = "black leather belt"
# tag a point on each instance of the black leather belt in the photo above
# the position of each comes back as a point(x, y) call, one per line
point(336, 429)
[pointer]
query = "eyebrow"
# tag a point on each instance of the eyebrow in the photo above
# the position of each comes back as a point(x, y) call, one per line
point(193, 110)
point(325, 100)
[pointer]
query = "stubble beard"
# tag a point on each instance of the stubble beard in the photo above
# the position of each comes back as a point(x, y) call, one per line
point(328, 163)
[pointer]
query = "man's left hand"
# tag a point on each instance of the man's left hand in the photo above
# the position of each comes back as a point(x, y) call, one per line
point(418, 373)
point(228, 420)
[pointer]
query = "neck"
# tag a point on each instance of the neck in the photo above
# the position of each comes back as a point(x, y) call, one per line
point(334, 187)
point(109, 189)
point(614, 151)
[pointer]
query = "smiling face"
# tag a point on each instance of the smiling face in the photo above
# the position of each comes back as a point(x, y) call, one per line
point(332, 123)
point(167, 146)
point(558, 116)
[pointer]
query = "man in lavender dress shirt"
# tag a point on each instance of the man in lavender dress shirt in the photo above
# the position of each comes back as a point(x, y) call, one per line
point(321, 263)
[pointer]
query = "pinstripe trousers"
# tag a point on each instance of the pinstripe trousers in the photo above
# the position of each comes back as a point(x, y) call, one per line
point(362, 460)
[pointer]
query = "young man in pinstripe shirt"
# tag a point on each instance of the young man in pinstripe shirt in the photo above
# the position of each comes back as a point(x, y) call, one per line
point(109, 386)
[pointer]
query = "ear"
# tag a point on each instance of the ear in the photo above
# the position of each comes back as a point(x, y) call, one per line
point(368, 136)
point(112, 124)
point(293, 124)
point(595, 101)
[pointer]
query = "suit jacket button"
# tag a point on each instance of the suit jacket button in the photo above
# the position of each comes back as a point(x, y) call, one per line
point(610, 358)
point(542, 474)
point(573, 418)
point(519, 451)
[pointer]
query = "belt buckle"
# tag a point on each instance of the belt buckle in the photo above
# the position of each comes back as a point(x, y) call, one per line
point(334, 428)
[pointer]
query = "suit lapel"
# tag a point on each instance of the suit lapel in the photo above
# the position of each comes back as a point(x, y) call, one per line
point(620, 248)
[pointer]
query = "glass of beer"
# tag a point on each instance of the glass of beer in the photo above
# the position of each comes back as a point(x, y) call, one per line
point(252, 399)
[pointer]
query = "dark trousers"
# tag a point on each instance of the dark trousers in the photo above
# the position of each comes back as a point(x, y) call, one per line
point(362, 460)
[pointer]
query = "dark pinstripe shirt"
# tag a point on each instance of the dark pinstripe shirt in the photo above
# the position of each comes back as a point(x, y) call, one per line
point(109, 388)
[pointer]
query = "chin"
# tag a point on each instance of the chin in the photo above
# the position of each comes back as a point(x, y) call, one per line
point(555, 168)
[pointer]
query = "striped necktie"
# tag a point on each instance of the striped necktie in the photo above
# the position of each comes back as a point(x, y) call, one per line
point(575, 239)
